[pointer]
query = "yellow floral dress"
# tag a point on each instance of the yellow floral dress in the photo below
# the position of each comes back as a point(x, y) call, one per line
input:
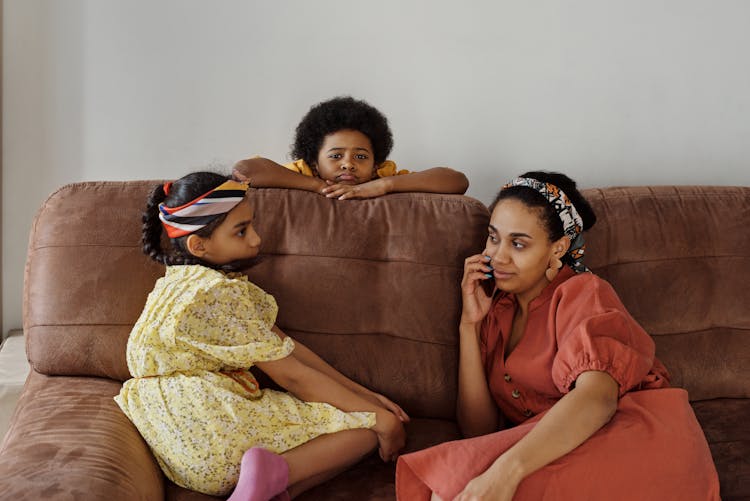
point(191, 396)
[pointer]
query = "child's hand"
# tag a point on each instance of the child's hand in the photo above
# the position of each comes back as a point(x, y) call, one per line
point(388, 404)
point(370, 189)
point(391, 435)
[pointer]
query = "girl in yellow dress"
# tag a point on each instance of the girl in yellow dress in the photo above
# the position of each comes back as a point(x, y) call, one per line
point(192, 397)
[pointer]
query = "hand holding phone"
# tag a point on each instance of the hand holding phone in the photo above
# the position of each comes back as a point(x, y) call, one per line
point(488, 284)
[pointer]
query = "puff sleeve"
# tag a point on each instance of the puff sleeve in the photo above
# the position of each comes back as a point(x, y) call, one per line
point(594, 331)
point(229, 323)
point(300, 167)
point(388, 168)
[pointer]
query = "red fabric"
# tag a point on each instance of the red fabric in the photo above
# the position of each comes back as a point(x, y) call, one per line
point(653, 448)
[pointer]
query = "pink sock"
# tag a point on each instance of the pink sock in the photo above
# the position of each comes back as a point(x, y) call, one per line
point(263, 475)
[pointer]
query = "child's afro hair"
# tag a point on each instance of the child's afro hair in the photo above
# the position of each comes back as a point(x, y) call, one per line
point(337, 114)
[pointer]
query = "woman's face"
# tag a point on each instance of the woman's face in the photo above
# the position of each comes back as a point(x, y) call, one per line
point(520, 249)
point(346, 157)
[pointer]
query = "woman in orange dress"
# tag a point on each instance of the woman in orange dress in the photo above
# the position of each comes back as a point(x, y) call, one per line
point(553, 350)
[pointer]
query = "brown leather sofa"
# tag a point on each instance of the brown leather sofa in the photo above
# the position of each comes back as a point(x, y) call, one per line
point(372, 286)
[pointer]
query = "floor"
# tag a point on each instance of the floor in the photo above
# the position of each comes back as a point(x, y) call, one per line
point(13, 371)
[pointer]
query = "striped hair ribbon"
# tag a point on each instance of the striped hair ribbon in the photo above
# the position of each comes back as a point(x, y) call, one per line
point(566, 211)
point(194, 215)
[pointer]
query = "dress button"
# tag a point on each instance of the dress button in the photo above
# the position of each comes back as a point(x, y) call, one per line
point(508, 379)
point(527, 412)
point(515, 394)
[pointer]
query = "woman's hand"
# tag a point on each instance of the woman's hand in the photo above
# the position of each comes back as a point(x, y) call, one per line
point(369, 189)
point(486, 488)
point(391, 435)
point(497, 483)
point(476, 302)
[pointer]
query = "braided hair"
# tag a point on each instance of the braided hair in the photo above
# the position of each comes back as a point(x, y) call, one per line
point(182, 191)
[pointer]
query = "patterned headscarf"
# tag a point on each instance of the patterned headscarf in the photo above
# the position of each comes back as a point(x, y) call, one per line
point(194, 215)
point(572, 222)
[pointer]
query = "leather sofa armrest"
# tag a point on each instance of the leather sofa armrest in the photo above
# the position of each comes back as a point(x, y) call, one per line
point(68, 439)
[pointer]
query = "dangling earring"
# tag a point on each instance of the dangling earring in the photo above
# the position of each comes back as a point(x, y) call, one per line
point(554, 268)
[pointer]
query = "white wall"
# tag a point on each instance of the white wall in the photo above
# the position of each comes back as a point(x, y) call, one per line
point(610, 92)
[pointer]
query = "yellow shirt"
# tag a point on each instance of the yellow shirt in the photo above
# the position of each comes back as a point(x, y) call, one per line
point(387, 168)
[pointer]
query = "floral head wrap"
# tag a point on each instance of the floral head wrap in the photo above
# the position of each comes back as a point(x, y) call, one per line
point(571, 220)
point(194, 215)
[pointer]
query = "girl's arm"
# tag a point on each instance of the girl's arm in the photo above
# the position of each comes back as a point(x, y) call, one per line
point(312, 385)
point(569, 423)
point(265, 173)
point(310, 358)
point(435, 180)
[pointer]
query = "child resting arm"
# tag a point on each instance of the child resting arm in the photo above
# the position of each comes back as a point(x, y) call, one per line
point(341, 147)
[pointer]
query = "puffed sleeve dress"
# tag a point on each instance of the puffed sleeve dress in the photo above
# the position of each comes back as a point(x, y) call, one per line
point(192, 396)
point(652, 449)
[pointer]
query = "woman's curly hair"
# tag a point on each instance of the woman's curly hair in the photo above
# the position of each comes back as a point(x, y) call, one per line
point(337, 114)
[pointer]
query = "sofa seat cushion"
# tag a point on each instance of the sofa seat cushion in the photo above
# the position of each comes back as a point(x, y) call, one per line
point(727, 429)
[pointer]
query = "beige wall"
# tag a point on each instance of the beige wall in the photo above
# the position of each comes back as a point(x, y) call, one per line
point(611, 92)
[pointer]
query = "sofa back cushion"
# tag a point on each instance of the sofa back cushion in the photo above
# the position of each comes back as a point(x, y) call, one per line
point(370, 285)
point(679, 257)
point(373, 285)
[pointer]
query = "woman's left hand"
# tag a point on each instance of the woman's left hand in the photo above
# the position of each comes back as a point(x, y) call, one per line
point(493, 485)
point(369, 189)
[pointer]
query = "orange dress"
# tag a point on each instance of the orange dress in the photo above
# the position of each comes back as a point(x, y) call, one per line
point(652, 449)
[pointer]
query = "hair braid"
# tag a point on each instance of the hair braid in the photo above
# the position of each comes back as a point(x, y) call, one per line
point(152, 228)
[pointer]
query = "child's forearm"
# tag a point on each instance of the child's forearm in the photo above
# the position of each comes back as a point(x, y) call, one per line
point(313, 385)
point(312, 359)
point(435, 180)
point(265, 173)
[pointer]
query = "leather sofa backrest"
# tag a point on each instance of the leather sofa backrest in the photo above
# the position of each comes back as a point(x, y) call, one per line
point(370, 285)
point(679, 257)
point(373, 285)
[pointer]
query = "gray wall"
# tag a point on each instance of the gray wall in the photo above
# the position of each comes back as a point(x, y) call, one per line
point(613, 93)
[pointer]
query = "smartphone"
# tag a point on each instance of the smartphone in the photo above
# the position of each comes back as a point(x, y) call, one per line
point(488, 284)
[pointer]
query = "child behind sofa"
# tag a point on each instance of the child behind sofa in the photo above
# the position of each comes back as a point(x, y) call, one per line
point(192, 397)
point(341, 146)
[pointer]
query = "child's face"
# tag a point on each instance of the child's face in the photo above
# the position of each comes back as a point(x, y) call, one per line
point(235, 238)
point(346, 157)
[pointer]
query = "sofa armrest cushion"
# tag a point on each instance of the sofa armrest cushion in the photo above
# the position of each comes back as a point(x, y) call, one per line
point(69, 440)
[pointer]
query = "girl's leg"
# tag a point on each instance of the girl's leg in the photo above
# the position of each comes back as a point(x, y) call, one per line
point(326, 456)
point(264, 474)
